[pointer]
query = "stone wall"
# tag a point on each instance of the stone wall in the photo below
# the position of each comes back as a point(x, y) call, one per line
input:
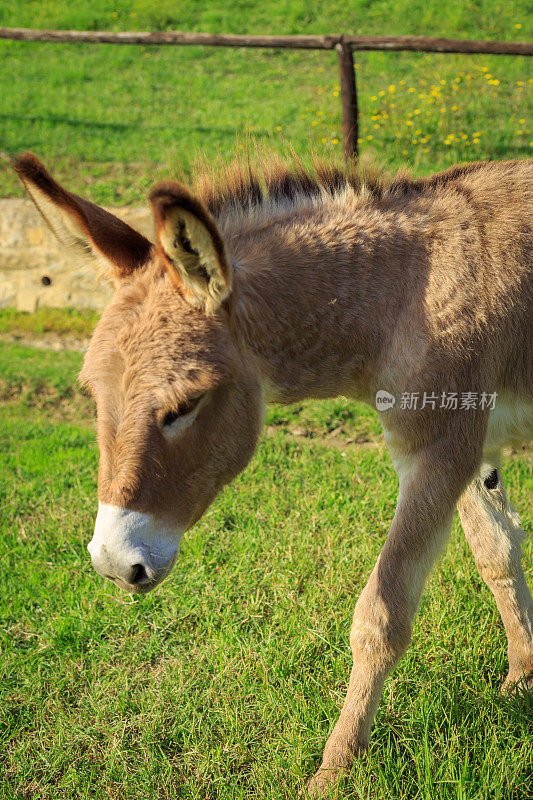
point(36, 271)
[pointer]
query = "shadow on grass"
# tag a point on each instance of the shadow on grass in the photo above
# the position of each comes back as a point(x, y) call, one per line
point(76, 123)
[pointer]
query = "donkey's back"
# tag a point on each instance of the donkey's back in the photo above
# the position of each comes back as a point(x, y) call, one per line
point(480, 276)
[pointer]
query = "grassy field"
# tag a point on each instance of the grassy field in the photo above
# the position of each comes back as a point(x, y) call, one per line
point(225, 681)
point(113, 119)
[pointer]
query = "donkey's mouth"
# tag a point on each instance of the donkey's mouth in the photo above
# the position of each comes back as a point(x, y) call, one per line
point(143, 586)
point(135, 588)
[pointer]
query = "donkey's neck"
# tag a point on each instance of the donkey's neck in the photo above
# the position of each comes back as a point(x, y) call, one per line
point(318, 294)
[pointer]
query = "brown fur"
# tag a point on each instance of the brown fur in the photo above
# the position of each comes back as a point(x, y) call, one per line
point(339, 284)
point(115, 240)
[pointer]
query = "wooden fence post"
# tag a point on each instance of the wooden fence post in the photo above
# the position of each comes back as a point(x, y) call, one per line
point(350, 122)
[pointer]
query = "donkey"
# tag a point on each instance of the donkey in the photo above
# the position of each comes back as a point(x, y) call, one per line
point(275, 283)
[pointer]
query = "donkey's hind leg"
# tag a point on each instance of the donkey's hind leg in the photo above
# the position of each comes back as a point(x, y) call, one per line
point(494, 534)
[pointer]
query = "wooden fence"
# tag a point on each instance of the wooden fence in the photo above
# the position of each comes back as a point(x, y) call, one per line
point(344, 45)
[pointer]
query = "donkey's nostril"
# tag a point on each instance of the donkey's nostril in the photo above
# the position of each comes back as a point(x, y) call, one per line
point(137, 574)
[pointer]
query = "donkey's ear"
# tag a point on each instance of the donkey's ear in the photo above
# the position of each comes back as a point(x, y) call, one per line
point(191, 245)
point(83, 227)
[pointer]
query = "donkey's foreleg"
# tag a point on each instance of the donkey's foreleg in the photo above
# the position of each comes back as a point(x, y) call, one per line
point(494, 534)
point(384, 613)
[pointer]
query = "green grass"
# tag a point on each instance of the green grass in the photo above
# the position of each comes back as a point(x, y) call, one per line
point(78, 322)
point(111, 120)
point(225, 681)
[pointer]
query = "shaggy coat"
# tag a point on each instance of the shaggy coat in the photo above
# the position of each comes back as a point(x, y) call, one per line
point(277, 283)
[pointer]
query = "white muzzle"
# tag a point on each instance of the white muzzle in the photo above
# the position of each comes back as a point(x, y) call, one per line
point(135, 551)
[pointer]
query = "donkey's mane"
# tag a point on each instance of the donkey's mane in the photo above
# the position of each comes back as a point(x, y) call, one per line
point(272, 181)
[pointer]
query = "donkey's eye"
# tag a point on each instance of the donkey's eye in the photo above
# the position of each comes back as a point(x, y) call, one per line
point(181, 411)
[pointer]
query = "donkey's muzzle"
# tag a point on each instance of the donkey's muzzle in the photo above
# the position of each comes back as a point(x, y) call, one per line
point(133, 550)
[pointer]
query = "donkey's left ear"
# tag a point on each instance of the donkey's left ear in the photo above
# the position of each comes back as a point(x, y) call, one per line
point(191, 245)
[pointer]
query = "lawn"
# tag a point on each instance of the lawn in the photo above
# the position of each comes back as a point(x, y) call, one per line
point(113, 119)
point(225, 681)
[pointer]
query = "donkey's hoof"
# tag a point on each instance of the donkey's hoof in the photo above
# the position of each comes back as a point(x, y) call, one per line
point(324, 782)
point(517, 684)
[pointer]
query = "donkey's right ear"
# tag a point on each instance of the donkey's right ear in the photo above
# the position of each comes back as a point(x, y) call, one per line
point(83, 227)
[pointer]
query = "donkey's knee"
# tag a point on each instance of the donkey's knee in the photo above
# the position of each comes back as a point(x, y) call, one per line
point(381, 627)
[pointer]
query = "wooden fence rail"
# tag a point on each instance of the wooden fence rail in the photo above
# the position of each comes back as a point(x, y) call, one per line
point(344, 45)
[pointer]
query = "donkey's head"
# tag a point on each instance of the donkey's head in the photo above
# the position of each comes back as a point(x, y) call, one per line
point(179, 410)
